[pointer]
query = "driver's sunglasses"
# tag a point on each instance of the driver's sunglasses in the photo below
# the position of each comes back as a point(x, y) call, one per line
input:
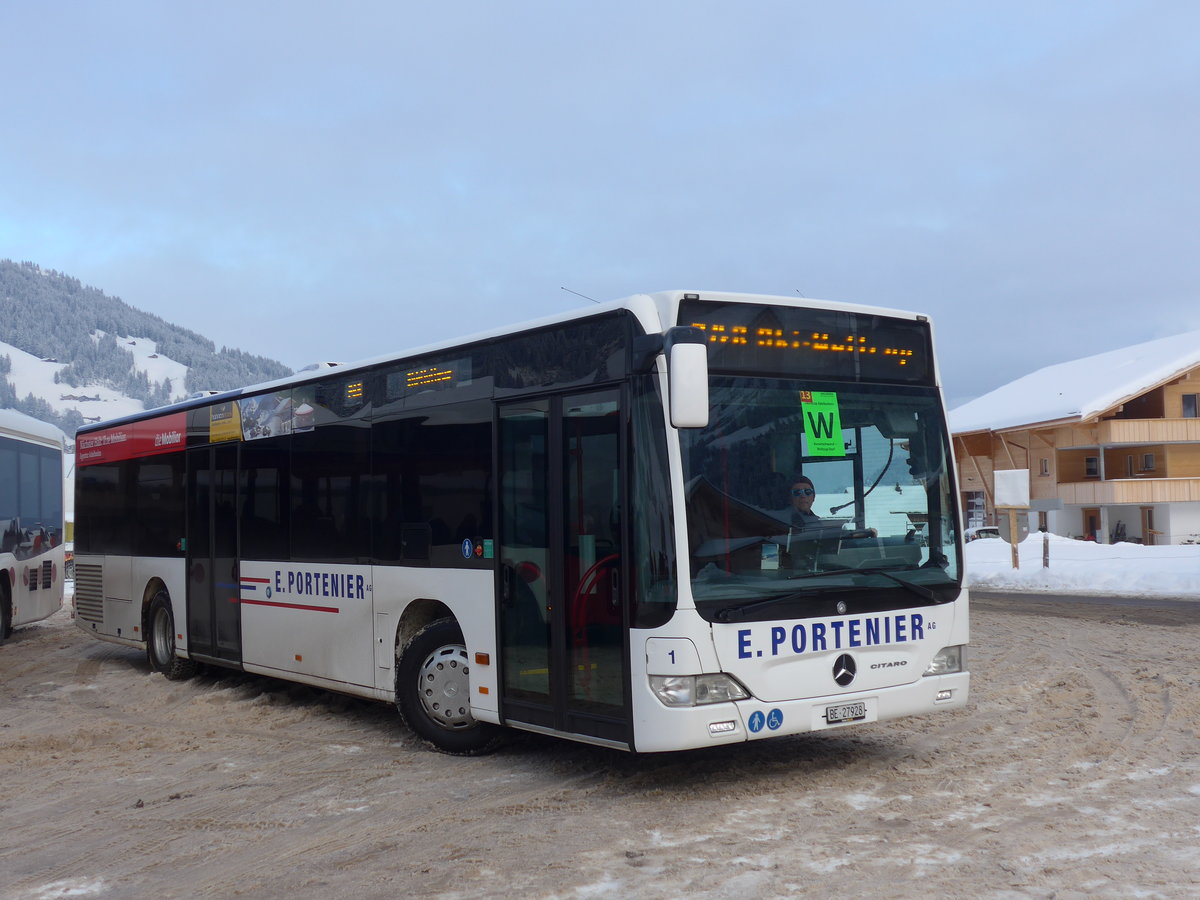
point(803, 492)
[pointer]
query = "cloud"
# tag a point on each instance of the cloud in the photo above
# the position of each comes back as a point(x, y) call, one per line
point(303, 182)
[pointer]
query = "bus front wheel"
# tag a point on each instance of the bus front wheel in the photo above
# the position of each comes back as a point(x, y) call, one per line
point(433, 692)
point(160, 641)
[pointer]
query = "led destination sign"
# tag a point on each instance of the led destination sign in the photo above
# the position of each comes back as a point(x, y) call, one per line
point(428, 376)
point(745, 337)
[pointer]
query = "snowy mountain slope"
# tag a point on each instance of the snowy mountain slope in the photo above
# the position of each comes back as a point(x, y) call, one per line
point(110, 359)
point(30, 375)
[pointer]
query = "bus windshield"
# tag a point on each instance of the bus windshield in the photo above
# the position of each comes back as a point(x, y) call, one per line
point(804, 497)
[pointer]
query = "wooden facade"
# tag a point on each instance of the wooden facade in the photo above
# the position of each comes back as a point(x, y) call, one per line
point(1132, 470)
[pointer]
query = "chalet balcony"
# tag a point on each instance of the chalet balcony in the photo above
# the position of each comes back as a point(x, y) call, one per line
point(1114, 432)
point(1149, 431)
point(1141, 491)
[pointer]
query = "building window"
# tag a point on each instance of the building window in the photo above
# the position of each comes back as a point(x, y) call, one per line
point(975, 504)
point(1129, 466)
point(1045, 470)
point(1189, 406)
point(1148, 462)
point(1091, 467)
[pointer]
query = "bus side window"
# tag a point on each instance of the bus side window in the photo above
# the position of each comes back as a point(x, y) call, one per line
point(264, 497)
point(432, 483)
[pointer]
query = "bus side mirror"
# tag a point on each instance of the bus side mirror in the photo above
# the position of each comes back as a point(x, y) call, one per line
point(687, 373)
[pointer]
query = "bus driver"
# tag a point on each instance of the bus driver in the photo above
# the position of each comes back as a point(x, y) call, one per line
point(804, 519)
point(803, 495)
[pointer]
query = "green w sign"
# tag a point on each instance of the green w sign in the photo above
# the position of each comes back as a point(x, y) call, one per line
point(822, 423)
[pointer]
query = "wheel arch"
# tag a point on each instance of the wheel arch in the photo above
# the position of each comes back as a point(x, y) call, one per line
point(416, 616)
point(153, 586)
point(433, 690)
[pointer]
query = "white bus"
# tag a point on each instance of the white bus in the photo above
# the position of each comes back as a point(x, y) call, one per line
point(592, 526)
point(31, 520)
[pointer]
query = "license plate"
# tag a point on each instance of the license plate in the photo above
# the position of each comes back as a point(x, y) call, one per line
point(846, 712)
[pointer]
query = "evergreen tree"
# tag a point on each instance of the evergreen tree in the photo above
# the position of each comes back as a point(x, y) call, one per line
point(53, 316)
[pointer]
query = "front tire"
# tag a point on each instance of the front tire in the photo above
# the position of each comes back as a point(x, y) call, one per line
point(160, 641)
point(433, 692)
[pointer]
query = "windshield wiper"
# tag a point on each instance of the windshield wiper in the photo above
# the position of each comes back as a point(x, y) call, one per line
point(919, 589)
point(729, 613)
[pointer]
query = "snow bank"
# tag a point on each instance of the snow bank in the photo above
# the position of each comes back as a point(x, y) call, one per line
point(1084, 567)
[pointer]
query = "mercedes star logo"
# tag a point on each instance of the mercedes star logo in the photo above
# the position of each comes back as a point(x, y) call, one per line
point(844, 669)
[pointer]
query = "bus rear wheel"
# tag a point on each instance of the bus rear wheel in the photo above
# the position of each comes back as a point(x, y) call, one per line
point(433, 692)
point(160, 641)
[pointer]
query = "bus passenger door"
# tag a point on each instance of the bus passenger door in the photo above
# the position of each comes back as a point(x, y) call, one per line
point(213, 588)
point(562, 613)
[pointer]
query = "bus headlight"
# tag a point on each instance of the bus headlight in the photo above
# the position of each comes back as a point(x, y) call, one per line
point(696, 690)
point(947, 661)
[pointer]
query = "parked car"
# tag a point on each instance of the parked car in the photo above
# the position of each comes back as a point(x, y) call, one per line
point(982, 531)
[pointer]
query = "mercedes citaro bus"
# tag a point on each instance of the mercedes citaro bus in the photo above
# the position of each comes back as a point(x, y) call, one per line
point(677, 520)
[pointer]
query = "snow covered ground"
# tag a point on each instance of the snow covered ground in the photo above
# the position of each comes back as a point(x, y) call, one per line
point(1074, 772)
point(1084, 567)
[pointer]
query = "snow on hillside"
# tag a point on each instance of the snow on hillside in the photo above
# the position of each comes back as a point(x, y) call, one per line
point(30, 375)
point(158, 368)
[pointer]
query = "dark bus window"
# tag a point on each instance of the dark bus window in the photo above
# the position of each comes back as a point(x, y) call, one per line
point(51, 499)
point(10, 479)
point(157, 513)
point(332, 400)
point(224, 506)
point(31, 508)
point(433, 484)
point(331, 468)
point(30, 492)
point(347, 396)
point(654, 570)
point(101, 518)
point(198, 426)
point(464, 374)
point(577, 353)
point(263, 493)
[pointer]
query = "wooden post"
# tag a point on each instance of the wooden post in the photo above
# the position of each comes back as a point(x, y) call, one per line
point(1012, 495)
point(1046, 550)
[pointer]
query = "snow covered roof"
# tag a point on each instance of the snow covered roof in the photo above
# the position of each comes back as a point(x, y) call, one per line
point(19, 425)
point(1081, 389)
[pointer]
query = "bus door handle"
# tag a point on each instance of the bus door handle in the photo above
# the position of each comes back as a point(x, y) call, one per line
point(506, 584)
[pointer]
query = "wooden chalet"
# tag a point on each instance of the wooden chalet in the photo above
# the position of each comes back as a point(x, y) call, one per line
point(1111, 442)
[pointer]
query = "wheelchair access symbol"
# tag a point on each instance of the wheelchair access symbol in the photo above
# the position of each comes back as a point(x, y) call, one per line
point(772, 720)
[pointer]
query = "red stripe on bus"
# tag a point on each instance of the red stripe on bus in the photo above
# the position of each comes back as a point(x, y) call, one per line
point(258, 580)
point(328, 609)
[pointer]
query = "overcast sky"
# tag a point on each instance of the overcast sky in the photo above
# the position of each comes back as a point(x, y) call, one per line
point(313, 181)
